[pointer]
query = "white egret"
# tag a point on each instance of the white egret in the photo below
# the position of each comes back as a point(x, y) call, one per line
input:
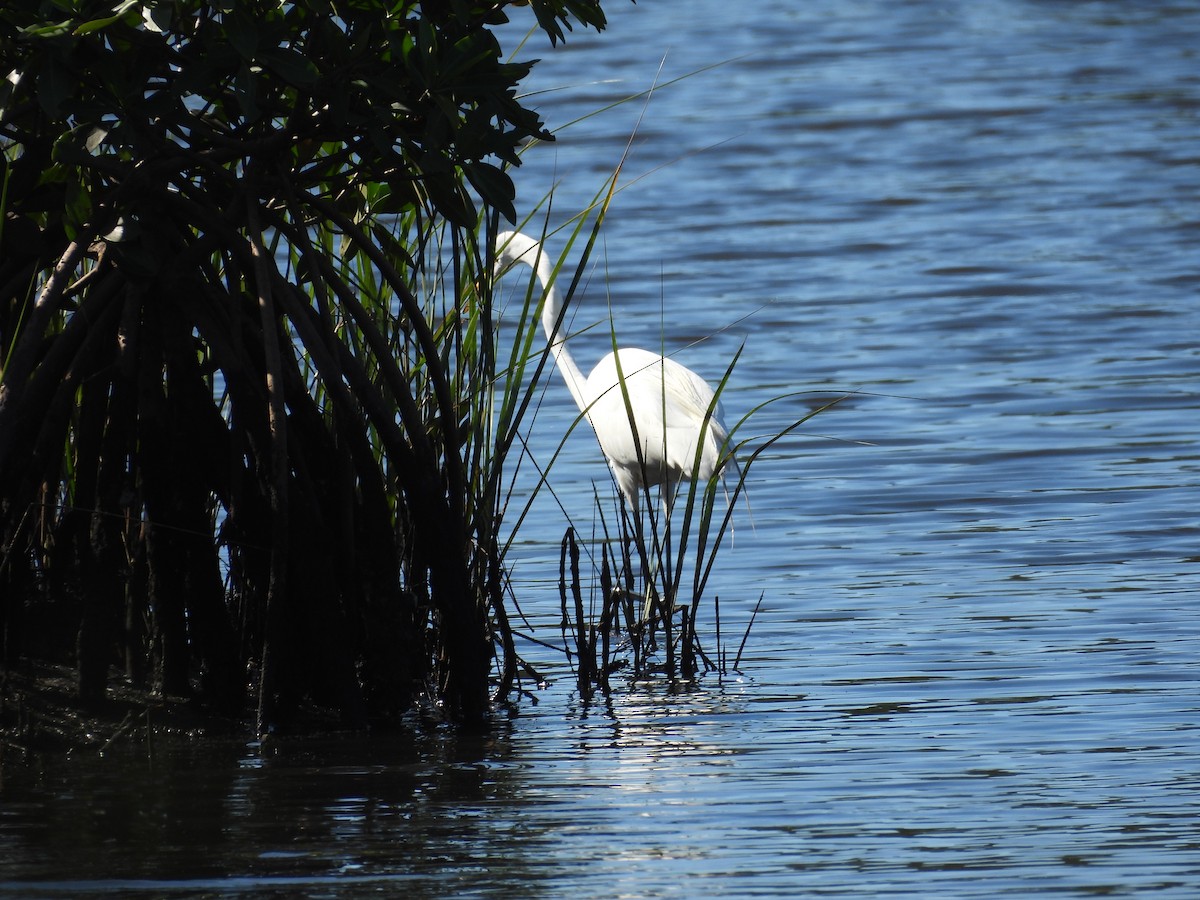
point(672, 407)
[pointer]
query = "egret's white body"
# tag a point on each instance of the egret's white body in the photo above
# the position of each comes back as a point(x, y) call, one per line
point(670, 403)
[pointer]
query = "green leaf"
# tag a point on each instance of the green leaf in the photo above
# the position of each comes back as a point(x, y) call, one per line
point(494, 187)
point(78, 210)
point(71, 147)
point(242, 35)
point(98, 24)
point(293, 67)
point(94, 139)
point(450, 199)
point(50, 30)
point(55, 85)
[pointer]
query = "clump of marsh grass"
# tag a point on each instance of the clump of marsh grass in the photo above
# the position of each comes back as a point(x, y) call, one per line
point(653, 571)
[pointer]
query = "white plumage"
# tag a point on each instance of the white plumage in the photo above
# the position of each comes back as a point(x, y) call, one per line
point(670, 403)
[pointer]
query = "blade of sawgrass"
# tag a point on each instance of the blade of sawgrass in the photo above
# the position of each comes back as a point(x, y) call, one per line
point(705, 565)
point(709, 490)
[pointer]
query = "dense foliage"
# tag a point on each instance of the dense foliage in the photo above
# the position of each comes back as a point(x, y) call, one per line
point(247, 385)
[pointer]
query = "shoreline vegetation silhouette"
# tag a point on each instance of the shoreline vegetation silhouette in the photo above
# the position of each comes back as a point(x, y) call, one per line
point(257, 411)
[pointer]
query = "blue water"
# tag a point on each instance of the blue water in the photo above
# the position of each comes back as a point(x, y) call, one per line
point(974, 669)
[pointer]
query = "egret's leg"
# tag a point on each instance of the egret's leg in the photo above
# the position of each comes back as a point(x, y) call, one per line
point(658, 559)
point(669, 488)
point(634, 513)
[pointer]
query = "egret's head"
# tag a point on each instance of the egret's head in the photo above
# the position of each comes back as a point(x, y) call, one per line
point(509, 249)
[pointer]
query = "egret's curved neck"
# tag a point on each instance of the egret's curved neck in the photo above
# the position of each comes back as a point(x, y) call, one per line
point(555, 329)
point(525, 249)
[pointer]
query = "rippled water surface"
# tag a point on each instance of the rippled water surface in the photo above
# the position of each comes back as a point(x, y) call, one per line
point(974, 671)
